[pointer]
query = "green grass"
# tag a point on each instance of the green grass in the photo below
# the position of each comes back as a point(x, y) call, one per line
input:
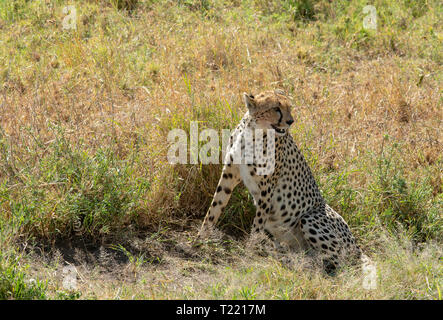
point(84, 116)
point(15, 283)
point(69, 192)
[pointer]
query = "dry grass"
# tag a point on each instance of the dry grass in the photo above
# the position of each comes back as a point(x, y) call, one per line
point(368, 113)
point(230, 270)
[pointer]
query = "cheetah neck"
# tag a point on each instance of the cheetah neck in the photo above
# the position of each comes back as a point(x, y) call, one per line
point(291, 163)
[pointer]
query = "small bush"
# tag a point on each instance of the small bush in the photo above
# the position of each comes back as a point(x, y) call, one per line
point(14, 283)
point(128, 5)
point(400, 201)
point(73, 192)
point(297, 9)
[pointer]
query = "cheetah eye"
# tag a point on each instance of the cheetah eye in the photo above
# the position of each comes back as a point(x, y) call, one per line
point(278, 110)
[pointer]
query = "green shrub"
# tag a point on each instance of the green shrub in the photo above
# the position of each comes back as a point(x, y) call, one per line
point(15, 285)
point(71, 191)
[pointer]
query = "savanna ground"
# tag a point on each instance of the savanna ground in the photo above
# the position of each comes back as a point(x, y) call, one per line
point(87, 193)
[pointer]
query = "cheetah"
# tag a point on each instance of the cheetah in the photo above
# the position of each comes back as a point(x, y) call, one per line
point(289, 206)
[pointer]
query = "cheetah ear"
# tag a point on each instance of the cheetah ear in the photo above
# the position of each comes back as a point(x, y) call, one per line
point(249, 102)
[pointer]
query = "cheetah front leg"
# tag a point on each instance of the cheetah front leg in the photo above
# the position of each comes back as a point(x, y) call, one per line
point(228, 181)
point(263, 221)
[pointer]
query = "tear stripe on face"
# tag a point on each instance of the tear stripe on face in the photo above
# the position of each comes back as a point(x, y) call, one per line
point(281, 115)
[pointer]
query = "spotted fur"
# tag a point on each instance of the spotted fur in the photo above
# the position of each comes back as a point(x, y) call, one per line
point(289, 206)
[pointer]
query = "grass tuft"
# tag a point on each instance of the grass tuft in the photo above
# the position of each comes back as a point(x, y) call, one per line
point(85, 113)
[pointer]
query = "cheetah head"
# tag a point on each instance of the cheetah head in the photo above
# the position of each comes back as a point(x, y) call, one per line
point(269, 110)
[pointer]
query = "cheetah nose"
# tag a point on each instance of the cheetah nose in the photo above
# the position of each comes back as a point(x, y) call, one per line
point(289, 122)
